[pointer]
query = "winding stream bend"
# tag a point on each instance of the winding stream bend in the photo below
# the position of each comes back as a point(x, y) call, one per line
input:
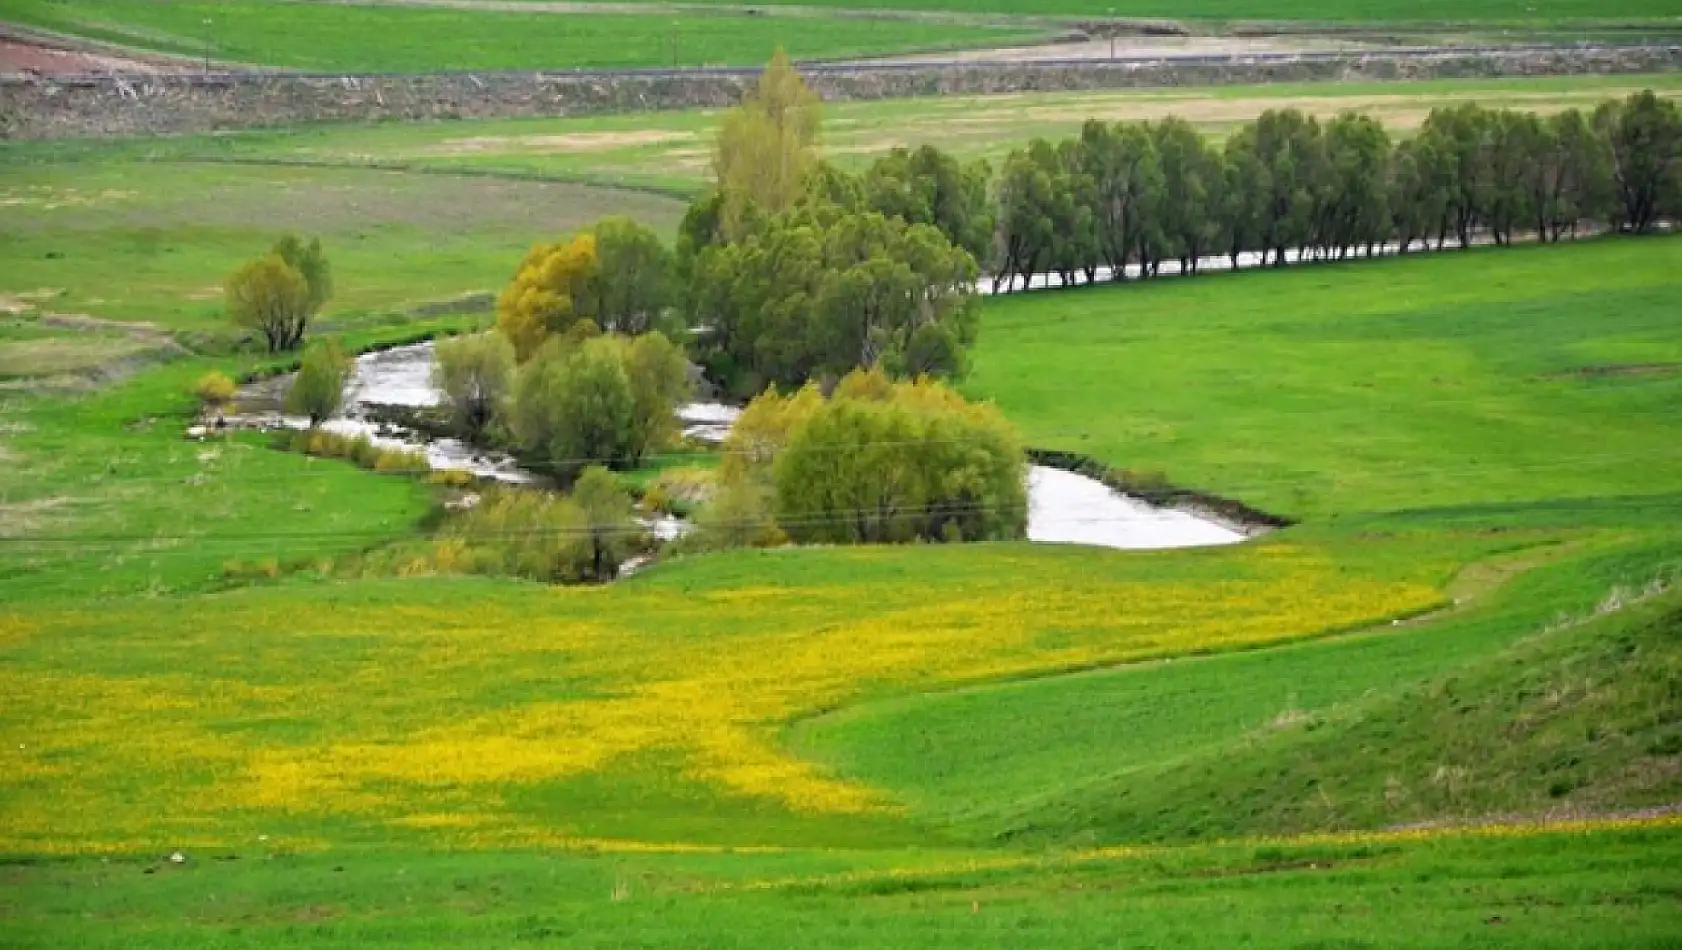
point(1063, 507)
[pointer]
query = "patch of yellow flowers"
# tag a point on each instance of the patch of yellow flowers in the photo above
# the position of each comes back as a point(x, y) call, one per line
point(304, 714)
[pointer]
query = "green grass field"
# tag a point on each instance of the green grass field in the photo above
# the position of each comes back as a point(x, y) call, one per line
point(1606, 890)
point(1286, 743)
point(1370, 11)
point(393, 38)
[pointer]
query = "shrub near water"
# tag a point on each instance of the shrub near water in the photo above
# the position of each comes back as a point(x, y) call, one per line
point(880, 462)
point(580, 538)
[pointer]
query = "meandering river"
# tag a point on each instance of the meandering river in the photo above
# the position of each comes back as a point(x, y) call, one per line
point(1063, 507)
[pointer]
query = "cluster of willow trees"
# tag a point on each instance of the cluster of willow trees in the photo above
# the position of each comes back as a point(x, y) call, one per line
point(1125, 198)
point(874, 462)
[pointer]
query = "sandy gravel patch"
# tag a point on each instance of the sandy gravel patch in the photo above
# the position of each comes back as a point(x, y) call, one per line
point(563, 142)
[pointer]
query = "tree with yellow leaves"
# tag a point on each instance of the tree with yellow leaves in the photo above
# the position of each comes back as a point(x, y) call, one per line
point(549, 293)
point(766, 146)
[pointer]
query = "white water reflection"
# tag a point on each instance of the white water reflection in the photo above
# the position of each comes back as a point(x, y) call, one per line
point(1066, 508)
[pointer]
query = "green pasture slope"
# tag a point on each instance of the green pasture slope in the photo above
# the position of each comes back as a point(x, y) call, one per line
point(1500, 422)
point(395, 38)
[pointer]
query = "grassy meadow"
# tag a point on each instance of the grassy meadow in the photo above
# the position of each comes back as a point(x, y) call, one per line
point(1441, 709)
point(1335, 11)
point(399, 38)
point(670, 152)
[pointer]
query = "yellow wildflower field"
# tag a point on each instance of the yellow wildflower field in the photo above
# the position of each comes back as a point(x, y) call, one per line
point(435, 707)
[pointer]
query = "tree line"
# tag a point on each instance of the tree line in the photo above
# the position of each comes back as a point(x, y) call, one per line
point(1125, 198)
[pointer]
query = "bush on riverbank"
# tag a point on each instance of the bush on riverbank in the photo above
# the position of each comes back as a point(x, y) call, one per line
point(358, 450)
point(878, 462)
point(584, 537)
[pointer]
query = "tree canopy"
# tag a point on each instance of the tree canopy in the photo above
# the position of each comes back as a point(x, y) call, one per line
point(766, 147)
point(279, 293)
point(878, 462)
point(475, 374)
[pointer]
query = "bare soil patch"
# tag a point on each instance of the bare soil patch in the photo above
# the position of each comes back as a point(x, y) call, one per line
point(1617, 370)
point(18, 56)
point(566, 142)
point(27, 517)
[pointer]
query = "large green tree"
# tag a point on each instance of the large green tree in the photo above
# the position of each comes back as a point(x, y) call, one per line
point(1645, 136)
point(279, 293)
point(766, 147)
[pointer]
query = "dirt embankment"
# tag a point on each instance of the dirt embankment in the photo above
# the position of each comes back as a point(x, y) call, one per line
point(99, 106)
point(25, 54)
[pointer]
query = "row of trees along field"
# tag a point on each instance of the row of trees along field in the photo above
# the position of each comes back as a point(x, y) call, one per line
point(1127, 197)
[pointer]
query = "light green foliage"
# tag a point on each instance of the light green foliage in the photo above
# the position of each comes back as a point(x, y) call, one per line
point(319, 388)
point(280, 293)
point(475, 374)
point(525, 533)
point(215, 390)
point(581, 537)
point(359, 450)
point(610, 534)
point(737, 514)
point(659, 376)
point(311, 263)
point(270, 296)
point(885, 462)
point(766, 147)
point(589, 398)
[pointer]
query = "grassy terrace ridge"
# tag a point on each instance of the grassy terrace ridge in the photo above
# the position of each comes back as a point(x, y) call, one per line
point(1336, 11)
point(394, 38)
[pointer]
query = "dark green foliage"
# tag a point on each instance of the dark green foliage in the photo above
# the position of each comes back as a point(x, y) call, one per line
point(928, 186)
point(632, 286)
point(824, 290)
point(1645, 134)
point(1128, 197)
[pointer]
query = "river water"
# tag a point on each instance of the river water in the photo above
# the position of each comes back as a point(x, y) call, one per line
point(1063, 507)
